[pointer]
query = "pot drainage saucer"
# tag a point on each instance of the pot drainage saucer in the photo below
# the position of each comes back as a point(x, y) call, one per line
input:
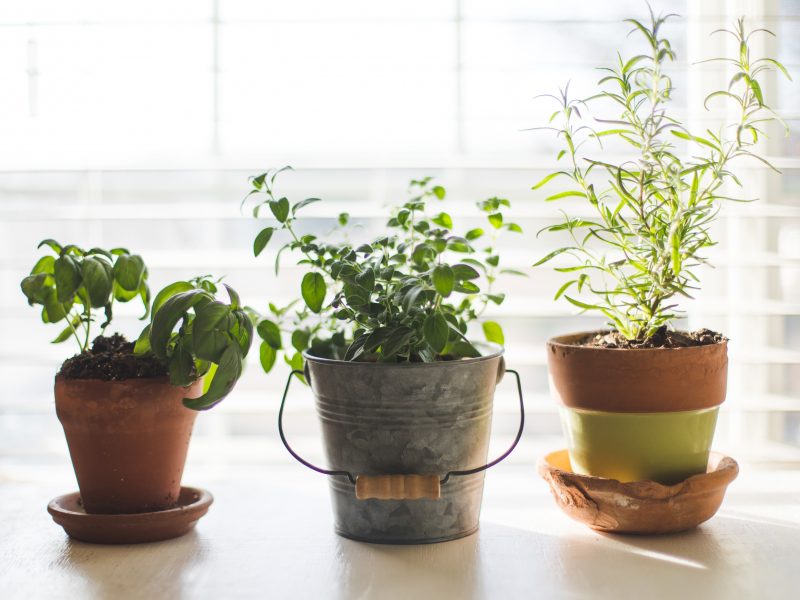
point(640, 507)
point(135, 528)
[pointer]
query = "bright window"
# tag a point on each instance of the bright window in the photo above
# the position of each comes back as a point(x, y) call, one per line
point(138, 124)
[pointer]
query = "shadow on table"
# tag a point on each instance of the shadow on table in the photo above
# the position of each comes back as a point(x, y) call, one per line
point(154, 570)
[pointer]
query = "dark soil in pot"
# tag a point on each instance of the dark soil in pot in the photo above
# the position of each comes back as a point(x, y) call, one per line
point(111, 359)
point(128, 433)
point(663, 338)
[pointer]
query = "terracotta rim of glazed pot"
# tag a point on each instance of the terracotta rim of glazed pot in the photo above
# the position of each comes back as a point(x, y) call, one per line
point(636, 380)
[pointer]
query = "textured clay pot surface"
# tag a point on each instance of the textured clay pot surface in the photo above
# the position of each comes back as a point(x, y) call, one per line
point(68, 512)
point(127, 439)
point(407, 419)
point(642, 507)
point(637, 380)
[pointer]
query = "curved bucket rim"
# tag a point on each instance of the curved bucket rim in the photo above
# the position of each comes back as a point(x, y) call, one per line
point(495, 351)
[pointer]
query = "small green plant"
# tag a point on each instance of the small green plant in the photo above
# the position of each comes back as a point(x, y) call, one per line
point(408, 295)
point(73, 284)
point(654, 215)
point(213, 338)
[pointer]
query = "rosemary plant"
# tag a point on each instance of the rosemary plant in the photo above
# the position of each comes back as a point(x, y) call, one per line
point(651, 221)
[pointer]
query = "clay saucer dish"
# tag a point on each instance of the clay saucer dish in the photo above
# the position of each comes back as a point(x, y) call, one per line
point(68, 512)
point(640, 507)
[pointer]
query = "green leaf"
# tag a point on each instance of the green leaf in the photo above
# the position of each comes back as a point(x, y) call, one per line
point(46, 264)
point(67, 332)
point(210, 330)
point(270, 333)
point(296, 363)
point(564, 288)
point(54, 245)
point(464, 349)
point(280, 208)
point(375, 338)
point(443, 220)
point(580, 304)
point(436, 331)
point(366, 279)
point(548, 178)
point(355, 295)
point(496, 219)
point(303, 203)
point(164, 320)
point(168, 292)
point(467, 287)
point(128, 272)
point(262, 239)
point(36, 287)
point(462, 272)
point(67, 277)
point(142, 345)
point(514, 227)
point(756, 88)
point(313, 290)
point(552, 255)
point(439, 192)
point(54, 310)
point(443, 280)
point(97, 279)
point(267, 355)
point(229, 369)
point(474, 234)
point(694, 138)
point(493, 332)
point(396, 341)
point(566, 194)
point(242, 330)
point(300, 339)
point(181, 365)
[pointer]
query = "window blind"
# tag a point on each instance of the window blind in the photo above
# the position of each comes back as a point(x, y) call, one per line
point(139, 126)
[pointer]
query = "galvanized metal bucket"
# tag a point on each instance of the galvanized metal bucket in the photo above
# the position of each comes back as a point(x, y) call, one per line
point(406, 444)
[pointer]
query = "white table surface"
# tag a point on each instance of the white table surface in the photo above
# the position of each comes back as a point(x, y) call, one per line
point(269, 535)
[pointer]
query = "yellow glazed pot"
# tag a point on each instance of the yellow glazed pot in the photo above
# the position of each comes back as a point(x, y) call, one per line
point(665, 447)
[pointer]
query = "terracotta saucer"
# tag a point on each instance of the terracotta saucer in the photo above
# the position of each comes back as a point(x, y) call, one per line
point(640, 507)
point(68, 512)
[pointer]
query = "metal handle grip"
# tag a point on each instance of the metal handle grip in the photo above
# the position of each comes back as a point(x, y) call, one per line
point(443, 480)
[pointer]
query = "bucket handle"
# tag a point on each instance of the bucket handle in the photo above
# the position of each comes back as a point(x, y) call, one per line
point(442, 481)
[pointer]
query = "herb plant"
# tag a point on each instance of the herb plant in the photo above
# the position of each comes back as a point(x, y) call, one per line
point(406, 296)
point(212, 340)
point(653, 216)
point(75, 283)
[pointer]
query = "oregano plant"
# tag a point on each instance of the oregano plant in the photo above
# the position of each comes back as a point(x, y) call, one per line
point(650, 218)
point(408, 295)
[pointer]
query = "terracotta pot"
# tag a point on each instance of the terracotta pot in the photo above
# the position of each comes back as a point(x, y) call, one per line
point(127, 439)
point(635, 415)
